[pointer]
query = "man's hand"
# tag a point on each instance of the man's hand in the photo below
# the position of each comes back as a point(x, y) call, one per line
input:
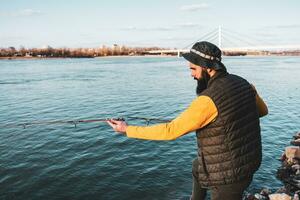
point(119, 126)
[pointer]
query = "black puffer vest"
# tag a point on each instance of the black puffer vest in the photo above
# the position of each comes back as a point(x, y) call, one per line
point(229, 148)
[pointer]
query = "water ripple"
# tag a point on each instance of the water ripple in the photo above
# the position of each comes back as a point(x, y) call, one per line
point(93, 162)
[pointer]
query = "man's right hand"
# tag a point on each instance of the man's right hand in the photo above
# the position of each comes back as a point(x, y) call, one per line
point(118, 126)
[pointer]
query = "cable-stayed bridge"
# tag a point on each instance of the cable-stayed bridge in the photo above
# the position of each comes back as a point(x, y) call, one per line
point(234, 43)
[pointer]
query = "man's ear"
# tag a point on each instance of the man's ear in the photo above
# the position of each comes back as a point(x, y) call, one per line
point(209, 70)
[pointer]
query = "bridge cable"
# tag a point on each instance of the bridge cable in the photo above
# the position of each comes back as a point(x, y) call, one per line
point(239, 38)
point(243, 36)
point(233, 38)
point(212, 38)
point(201, 38)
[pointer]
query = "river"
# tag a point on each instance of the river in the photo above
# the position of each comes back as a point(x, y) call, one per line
point(92, 161)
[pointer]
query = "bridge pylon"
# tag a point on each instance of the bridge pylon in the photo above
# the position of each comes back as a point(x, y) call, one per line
point(220, 37)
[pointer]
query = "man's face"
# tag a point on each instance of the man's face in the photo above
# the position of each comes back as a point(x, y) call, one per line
point(196, 71)
point(201, 75)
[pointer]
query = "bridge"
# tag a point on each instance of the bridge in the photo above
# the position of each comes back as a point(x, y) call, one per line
point(234, 43)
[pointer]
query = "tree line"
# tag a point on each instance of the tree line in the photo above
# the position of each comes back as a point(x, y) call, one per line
point(75, 52)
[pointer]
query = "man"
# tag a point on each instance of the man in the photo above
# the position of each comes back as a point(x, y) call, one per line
point(225, 116)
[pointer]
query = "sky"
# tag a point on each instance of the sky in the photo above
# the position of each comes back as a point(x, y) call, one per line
point(162, 23)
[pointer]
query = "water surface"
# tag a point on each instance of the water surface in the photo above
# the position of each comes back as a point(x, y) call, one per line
point(93, 162)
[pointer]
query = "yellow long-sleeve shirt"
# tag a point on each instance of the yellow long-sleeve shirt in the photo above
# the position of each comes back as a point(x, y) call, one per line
point(201, 112)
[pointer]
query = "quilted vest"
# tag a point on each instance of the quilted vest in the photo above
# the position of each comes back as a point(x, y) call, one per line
point(229, 148)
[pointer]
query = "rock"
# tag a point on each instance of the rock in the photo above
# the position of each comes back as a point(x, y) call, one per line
point(250, 197)
point(281, 190)
point(265, 192)
point(281, 196)
point(292, 152)
point(260, 197)
point(283, 157)
point(284, 173)
point(296, 167)
point(295, 181)
point(297, 136)
point(296, 142)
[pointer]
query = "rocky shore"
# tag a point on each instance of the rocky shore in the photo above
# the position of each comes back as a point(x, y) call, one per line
point(288, 173)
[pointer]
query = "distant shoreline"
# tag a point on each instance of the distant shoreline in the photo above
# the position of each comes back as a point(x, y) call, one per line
point(45, 58)
point(116, 51)
point(28, 58)
point(128, 56)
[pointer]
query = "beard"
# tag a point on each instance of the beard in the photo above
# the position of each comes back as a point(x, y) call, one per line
point(202, 82)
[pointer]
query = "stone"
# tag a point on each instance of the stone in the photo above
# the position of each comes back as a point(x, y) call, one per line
point(260, 197)
point(296, 166)
point(281, 190)
point(250, 197)
point(281, 196)
point(295, 181)
point(282, 157)
point(265, 192)
point(296, 142)
point(292, 153)
point(297, 136)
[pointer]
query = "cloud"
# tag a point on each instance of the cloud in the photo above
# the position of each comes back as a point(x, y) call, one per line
point(29, 12)
point(194, 7)
point(159, 28)
point(21, 13)
point(174, 27)
point(289, 26)
point(165, 28)
point(281, 26)
point(189, 25)
point(12, 37)
point(129, 28)
point(174, 38)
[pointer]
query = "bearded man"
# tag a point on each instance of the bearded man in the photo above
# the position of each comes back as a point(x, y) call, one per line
point(225, 116)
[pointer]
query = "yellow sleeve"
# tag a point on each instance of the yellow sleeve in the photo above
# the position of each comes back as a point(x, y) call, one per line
point(260, 104)
point(201, 112)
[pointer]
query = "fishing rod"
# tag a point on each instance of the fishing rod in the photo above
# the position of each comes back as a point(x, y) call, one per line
point(79, 121)
point(148, 120)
